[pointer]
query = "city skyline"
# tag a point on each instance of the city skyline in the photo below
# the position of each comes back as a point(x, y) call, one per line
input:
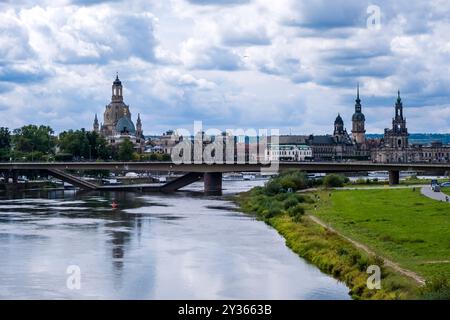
point(231, 64)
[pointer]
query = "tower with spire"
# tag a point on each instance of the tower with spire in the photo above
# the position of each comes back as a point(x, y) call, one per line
point(96, 125)
point(139, 132)
point(396, 139)
point(117, 121)
point(358, 121)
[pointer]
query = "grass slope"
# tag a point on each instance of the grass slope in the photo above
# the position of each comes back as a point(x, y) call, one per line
point(328, 251)
point(446, 190)
point(399, 224)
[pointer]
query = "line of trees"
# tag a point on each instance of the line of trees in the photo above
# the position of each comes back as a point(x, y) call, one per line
point(39, 143)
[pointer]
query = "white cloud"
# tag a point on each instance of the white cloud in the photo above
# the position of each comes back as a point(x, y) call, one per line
point(287, 63)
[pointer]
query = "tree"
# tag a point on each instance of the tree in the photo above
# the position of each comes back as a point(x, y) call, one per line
point(126, 149)
point(5, 143)
point(33, 142)
point(84, 144)
point(74, 143)
point(98, 146)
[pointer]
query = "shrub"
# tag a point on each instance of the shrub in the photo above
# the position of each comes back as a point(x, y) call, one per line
point(290, 202)
point(290, 179)
point(296, 210)
point(333, 181)
point(272, 187)
point(437, 289)
point(360, 181)
point(273, 210)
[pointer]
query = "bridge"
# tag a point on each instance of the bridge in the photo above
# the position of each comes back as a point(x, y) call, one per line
point(210, 173)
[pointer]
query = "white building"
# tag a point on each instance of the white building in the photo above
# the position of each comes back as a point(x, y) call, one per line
point(288, 152)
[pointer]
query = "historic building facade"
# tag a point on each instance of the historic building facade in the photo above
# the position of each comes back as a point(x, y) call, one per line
point(117, 122)
point(341, 145)
point(288, 152)
point(395, 147)
point(337, 146)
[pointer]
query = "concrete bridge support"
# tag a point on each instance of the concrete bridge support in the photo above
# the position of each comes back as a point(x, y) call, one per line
point(212, 182)
point(394, 177)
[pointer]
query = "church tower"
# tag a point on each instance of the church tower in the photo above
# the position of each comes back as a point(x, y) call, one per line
point(139, 132)
point(117, 90)
point(358, 121)
point(399, 130)
point(339, 131)
point(96, 125)
point(117, 115)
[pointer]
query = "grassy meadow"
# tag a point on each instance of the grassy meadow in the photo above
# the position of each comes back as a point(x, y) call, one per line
point(399, 224)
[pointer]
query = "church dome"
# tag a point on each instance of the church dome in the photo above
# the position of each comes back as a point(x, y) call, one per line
point(358, 116)
point(125, 125)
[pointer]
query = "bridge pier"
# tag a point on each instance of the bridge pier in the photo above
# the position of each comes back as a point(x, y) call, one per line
point(15, 176)
point(394, 177)
point(212, 182)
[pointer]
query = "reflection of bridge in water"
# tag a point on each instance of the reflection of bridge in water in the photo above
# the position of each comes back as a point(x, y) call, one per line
point(211, 174)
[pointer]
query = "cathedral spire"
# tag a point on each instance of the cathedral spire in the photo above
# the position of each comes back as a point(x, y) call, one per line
point(399, 106)
point(96, 126)
point(358, 100)
point(358, 121)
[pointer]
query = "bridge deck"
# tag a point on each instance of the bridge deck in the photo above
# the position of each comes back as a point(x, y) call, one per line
point(234, 167)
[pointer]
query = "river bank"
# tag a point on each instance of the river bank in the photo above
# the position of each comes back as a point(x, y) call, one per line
point(333, 255)
point(346, 250)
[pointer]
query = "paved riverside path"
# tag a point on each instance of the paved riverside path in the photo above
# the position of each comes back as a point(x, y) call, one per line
point(439, 196)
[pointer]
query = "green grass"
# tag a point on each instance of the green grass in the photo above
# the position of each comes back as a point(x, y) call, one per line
point(328, 251)
point(406, 182)
point(446, 190)
point(399, 224)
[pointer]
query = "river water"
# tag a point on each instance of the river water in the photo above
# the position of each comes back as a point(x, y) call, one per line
point(73, 245)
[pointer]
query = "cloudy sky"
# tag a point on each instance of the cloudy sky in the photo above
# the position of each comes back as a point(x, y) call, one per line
point(287, 64)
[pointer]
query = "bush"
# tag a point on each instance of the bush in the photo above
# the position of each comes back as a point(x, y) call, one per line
point(296, 210)
point(290, 179)
point(289, 202)
point(333, 181)
point(437, 289)
point(273, 210)
point(272, 187)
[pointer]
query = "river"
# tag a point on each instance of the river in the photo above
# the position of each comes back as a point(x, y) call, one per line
point(180, 246)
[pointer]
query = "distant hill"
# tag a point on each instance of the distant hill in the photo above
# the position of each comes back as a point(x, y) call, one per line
point(421, 138)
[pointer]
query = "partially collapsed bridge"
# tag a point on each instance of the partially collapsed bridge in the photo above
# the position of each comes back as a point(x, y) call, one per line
point(210, 173)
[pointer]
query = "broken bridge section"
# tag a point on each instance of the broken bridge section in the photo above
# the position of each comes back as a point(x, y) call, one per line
point(73, 180)
point(182, 181)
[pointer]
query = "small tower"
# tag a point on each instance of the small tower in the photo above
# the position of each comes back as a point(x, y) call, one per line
point(338, 125)
point(139, 132)
point(358, 121)
point(117, 95)
point(339, 130)
point(96, 126)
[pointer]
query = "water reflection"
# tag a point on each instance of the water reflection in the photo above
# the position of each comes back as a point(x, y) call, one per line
point(153, 246)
